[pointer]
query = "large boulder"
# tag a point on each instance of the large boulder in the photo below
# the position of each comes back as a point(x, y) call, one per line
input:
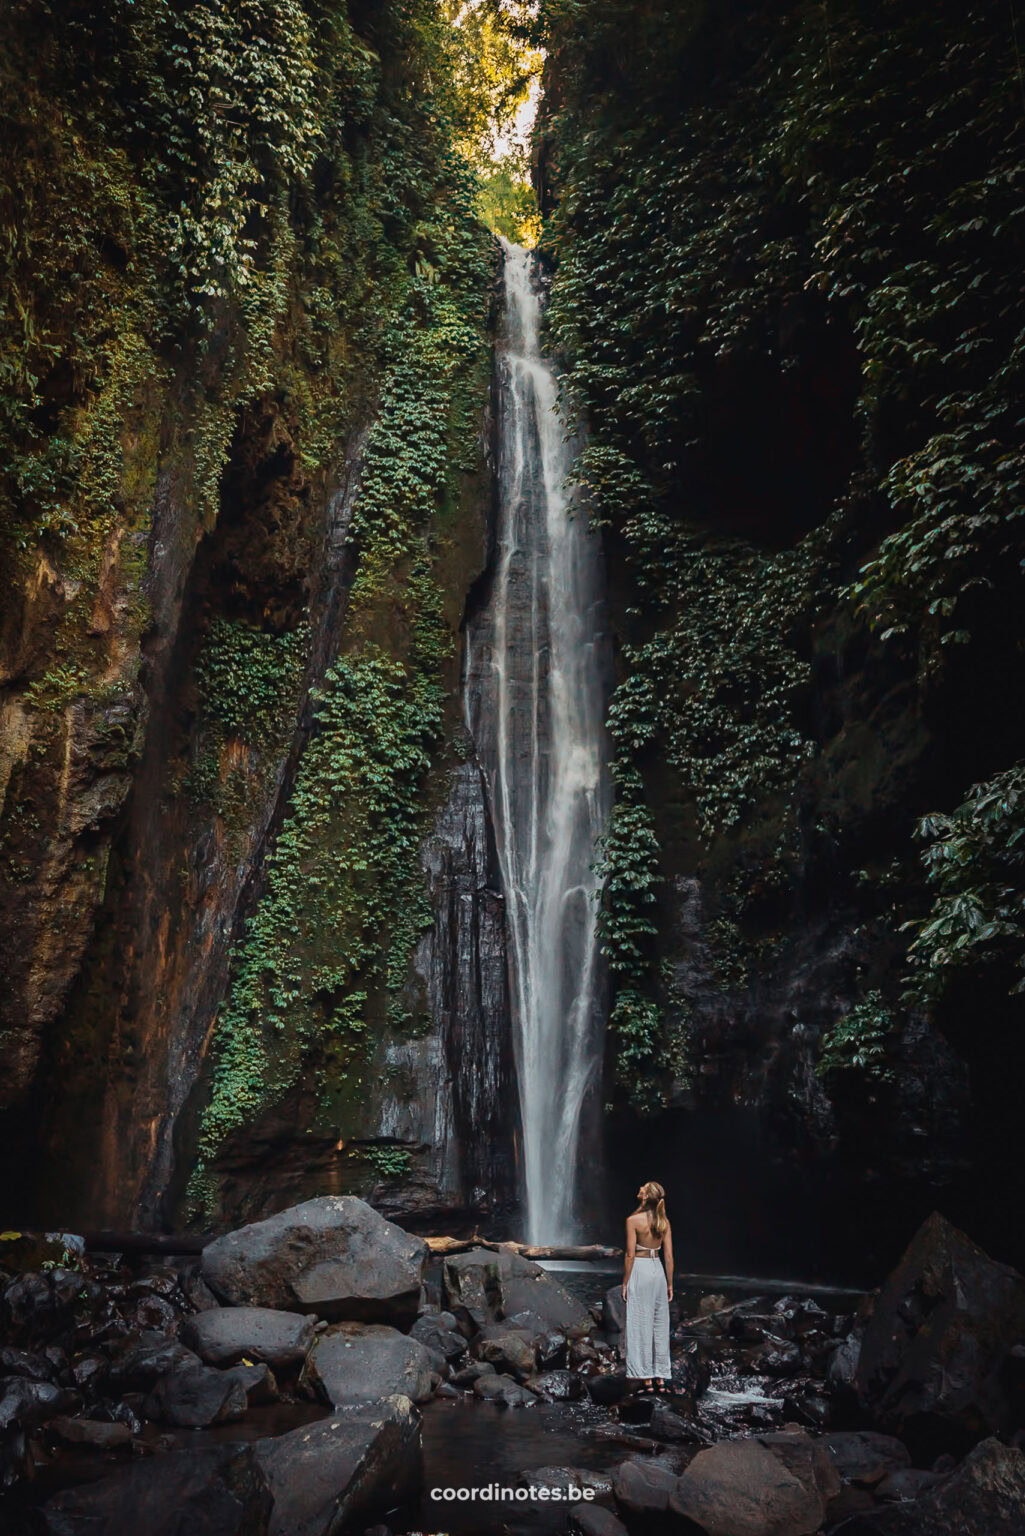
point(932, 1366)
point(471, 1287)
point(508, 1350)
point(357, 1463)
point(196, 1397)
point(984, 1496)
point(740, 1488)
point(333, 1256)
point(227, 1335)
point(526, 1287)
point(144, 1361)
point(863, 1457)
point(362, 1362)
point(213, 1491)
point(644, 1488)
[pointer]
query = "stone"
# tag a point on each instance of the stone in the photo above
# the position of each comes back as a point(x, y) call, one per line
point(807, 1459)
point(613, 1312)
point(196, 1397)
point(439, 1337)
point(23, 1362)
point(472, 1288)
point(145, 1361)
point(360, 1362)
point(333, 1256)
point(908, 1483)
point(644, 1488)
point(738, 1488)
point(509, 1352)
point(25, 1404)
point(561, 1478)
point(208, 1491)
point(526, 1287)
point(258, 1382)
point(100, 1433)
point(984, 1496)
point(608, 1389)
point(594, 1520)
point(864, 1457)
point(349, 1467)
point(469, 1373)
point(549, 1343)
point(502, 1390)
point(556, 1386)
point(933, 1355)
point(668, 1426)
point(229, 1335)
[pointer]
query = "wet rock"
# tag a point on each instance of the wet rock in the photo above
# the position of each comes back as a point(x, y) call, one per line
point(196, 1291)
point(327, 1475)
point(738, 1488)
point(25, 1404)
point(218, 1491)
point(864, 1457)
point(360, 1362)
point(582, 1355)
point(593, 1520)
point(557, 1386)
point(437, 1336)
point(668, 1426)
point(258, 1382)
point(152, 1314)
point(224, 1337)
point(161, 1280)
point(908, 1483)
point(562, 1478)
point(469, 1373)
point(807, 1459)
point(984, 1496)
point(692, 1371)
point(932, 1362)
point(548, 1343)
point(644, 1488)
point(472, 1287)
point(24, 1362)
point(102, 1435)
point(526, 1287)
point(196, 1397)
point(609, 1389)
point(780, 1358)
point(714, 1302)
point(35, 1306)
point(509, 1352)
point(613, 1312)
point(88, 1371)
point(334, 1256)
point(144, 1362)
point(502, 1390)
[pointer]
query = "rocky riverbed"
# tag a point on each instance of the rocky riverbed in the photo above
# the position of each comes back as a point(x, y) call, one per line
point(320, 1373)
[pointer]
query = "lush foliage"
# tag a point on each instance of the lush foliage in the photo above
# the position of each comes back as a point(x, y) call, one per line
point(731, 195)
point(860, 1041)
point(975, 863)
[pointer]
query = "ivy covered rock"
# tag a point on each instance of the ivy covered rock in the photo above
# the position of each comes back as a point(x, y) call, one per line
point(333, 1256)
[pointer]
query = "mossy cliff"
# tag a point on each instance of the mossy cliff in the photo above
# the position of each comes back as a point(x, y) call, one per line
point(787, 243)
point(245, 379)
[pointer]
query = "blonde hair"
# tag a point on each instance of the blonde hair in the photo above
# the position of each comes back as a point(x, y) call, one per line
point(653, 1200)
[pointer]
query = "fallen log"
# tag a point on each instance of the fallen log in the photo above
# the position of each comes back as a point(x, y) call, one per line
point(588, 1251)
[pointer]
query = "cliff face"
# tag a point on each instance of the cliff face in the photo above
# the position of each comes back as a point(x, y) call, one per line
point(784, 245)
point(245, 405)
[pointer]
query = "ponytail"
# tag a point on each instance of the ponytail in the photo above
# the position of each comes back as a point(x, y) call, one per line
point(653, 1200)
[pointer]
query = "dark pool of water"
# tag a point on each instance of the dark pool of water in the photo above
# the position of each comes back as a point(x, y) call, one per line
point(474, 1445)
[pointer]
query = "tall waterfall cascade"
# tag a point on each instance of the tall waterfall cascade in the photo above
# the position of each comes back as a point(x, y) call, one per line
point(535, 697)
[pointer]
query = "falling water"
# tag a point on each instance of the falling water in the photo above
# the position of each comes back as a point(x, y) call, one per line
point(535, 703)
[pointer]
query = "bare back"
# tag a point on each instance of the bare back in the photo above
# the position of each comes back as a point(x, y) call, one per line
point(646, 1237)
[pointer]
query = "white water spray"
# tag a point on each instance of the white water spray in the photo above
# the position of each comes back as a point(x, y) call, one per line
point(535, 706)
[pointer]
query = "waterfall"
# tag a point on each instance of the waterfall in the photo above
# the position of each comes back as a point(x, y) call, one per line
point(535, 696)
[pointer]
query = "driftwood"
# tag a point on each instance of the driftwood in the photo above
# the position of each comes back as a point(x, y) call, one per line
point(445, 1245)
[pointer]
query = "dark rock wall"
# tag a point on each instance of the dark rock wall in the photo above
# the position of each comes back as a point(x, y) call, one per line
point(769, 316)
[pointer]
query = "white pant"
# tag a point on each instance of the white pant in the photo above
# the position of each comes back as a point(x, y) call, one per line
point(647, 1320)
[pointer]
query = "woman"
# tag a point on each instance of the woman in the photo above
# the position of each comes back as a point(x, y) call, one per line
point(648, 1288)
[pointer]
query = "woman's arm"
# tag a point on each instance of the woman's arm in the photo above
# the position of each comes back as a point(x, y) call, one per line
point(631, 1250)
point(667, 1244)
